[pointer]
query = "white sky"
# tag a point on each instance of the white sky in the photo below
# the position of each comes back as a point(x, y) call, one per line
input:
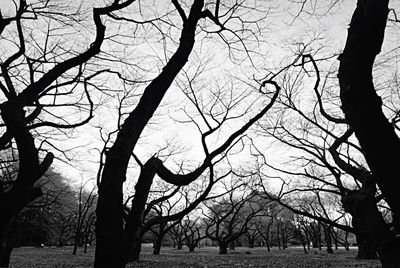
point(277, 38)
point(278, 41)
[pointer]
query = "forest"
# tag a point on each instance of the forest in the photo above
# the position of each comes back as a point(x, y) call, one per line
point(244, 133)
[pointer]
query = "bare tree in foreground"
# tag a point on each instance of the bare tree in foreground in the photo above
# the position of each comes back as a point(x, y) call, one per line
point(41, 71)
point(116, 241)
point(363, 110)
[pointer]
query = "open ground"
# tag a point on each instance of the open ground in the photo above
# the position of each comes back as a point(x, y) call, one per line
point(202, 257)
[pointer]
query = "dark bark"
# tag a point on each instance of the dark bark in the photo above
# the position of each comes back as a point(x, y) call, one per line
point(346, 242)
point(366, 249)
point(223, 248)
point(85, 247)
point(135, 254)
point(328, 238)
point(5, 252)
point(112, 247)
point(29, 171)
point(162, 230)
point(157, 246)
point(371, 227)
point(232, 245)
point(76, 241)
point(251, 244)
point(251, 239)
point(361, 104)
point(192, 235)
point(13, 115)
point(284, 237)
point(301, 237)
point(267, 244)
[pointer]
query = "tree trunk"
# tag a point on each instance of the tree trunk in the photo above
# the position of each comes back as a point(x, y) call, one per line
point(87, 229)
point(346, 242)
point(157, 246)
point(303, 242)
point(75, 248)
point(5, 253)
point(29, 171)
point(366, 250)
point(315, 240)
point(284, 240)
point(363, 110)
point(251, 243)
point(223, 249)
point(114, 245)
point(328, 238)
point(360, 103)
point(368, 220)
point(77, 241)
point(135, 254)
point(232, 245)
point(192, 247)
point(278, 238)
point(319, 239)
point(304, 247)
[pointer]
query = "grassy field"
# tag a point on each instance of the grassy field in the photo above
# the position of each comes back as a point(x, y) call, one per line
point(204, 258)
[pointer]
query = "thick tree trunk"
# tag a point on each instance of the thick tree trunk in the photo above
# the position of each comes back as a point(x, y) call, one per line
point(368, 220)
point(366, 249)
point(5, 253)
point(135, 254)
point(223, 249)
point(110, 242)
point(157, 246)
point(113, 245)
point(192, 247)
point(29, 171)
point(361, 104)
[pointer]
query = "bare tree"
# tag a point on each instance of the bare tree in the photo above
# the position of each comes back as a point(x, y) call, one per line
point(229, 218)
point(194, 231)
point(115, 241)
point(40, 73)
point(178, 234)
point(332, 162)
point(363, 110)
point(84, 216)
point(165, 208)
